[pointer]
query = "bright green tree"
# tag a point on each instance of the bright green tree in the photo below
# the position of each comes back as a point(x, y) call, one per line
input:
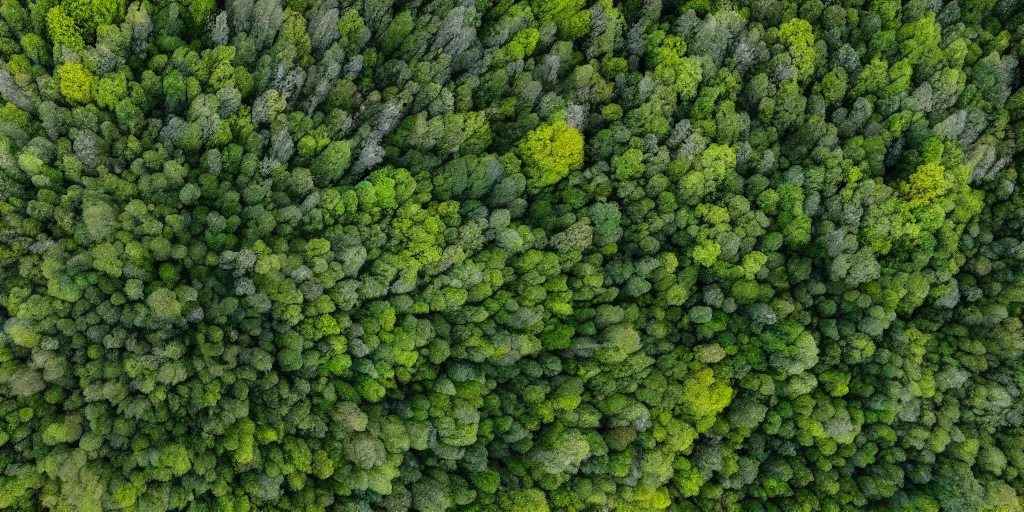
point(550, 152)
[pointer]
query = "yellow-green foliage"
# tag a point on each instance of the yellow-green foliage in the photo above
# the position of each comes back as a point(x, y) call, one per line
point(22, 336)
point(926, 185)
point(571, 16)
point(351, 28)
point(111, 90)
point(704, 397)
point(72, 22)
point(77, 84)
point(89, 14)
point(798, 35)
point(681, 74)
point(521, 46)
point(200, 10)
point(550, 152)
point(62, 29)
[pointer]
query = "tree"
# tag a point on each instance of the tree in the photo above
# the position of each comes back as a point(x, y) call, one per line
point(510, 255)
point(62, 29)
point(619, 341)
point(331, 164)
point(681, 74)
point(527, 500)
point(164, 305)
point(77, 84)
point(550, 152)
point(89, 14)
point(798, 35)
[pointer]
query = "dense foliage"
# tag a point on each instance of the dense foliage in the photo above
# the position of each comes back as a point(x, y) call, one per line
point(523, 256)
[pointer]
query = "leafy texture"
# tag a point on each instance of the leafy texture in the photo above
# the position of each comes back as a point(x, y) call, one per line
point(511, 256)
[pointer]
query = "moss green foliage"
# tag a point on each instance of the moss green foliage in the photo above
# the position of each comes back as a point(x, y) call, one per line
point(511, 256)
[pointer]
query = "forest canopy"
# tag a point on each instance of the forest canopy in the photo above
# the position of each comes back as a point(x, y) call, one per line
point(511, 256)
